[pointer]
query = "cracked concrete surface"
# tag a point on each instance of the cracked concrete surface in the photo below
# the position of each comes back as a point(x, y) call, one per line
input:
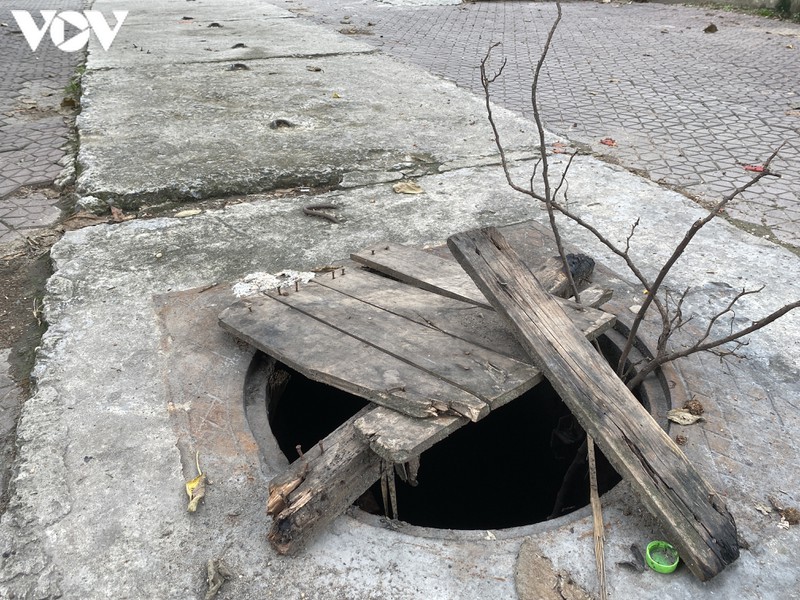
point(98, 509)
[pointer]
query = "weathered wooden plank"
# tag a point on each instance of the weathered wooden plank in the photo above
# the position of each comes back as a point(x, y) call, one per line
point(423, 270)
point(594, 296)
point(694, 516)
point(319, 487)
point(445, 277)
point(324, 354)
point(398, 438)
point(490, 376)
point(475, 324)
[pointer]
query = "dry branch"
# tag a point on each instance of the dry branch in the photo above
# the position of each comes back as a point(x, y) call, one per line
point(670, 321)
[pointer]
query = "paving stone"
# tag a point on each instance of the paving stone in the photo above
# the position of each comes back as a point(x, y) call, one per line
point(642, 71)
point(33, 137)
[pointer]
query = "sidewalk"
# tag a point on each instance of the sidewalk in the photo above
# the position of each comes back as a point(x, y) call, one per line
point(133, 376)
point(686, 108)
point(33, 126)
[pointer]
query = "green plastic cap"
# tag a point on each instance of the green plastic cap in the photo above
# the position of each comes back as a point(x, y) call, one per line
point(661, 557)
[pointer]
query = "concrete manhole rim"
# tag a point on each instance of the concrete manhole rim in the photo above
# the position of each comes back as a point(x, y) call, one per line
point(664, 388)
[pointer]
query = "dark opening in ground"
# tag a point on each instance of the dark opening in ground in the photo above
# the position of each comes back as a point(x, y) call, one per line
point(522, 464)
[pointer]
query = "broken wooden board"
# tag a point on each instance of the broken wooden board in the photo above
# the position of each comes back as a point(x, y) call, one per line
point(353, 343)
point(319, 486)
point(417, 267)
point(482, 372)
point(399, 438)
point(445, 277)
point(323, 354)
point(468, 322)
point(692, 513)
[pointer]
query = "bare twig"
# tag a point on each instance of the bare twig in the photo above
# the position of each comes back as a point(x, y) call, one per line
point(703, 347)
point(679, 250)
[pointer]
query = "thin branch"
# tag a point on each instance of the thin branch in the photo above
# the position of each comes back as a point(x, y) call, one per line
point(630, 235)
point(726, 310)
point(702, 347)
point(681, 247)
point(564, 176)
point(486, 82)
point(548, 197)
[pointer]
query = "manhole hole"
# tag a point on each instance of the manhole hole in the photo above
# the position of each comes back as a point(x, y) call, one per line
point(515, 467)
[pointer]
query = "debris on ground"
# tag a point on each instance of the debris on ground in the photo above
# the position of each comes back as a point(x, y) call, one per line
point(536, 579)
point(789, 515)
point(320, 210)
point(407, 187)
point(187, 213)
point(217, 574)
point(695, 407)
point(683, 416)
point(196, 488)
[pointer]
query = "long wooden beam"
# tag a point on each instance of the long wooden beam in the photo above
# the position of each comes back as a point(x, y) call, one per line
point(692, 513)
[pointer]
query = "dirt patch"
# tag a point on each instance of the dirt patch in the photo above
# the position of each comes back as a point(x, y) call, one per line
point(24, 269)
point(537, 579)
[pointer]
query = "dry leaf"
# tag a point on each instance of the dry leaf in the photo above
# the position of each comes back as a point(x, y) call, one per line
point(608, 142)
point(681, 416)
point(335, 95)
point(694, 406)
point(188, 213)
point(82, 219)
point(117, 215)
point(764, 510)
point(217, 572)
point(792, 515)
point(196, 488)
point(407, 187)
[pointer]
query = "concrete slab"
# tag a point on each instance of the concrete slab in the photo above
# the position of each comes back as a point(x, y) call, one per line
point(149, 38)
point(208, 131)
point(100, 437)
point(104, 447)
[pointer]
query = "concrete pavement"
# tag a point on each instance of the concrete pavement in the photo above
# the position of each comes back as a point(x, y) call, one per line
point(133, 377)
point(686, 108)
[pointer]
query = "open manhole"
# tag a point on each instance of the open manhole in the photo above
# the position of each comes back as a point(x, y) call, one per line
point(522, 464)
